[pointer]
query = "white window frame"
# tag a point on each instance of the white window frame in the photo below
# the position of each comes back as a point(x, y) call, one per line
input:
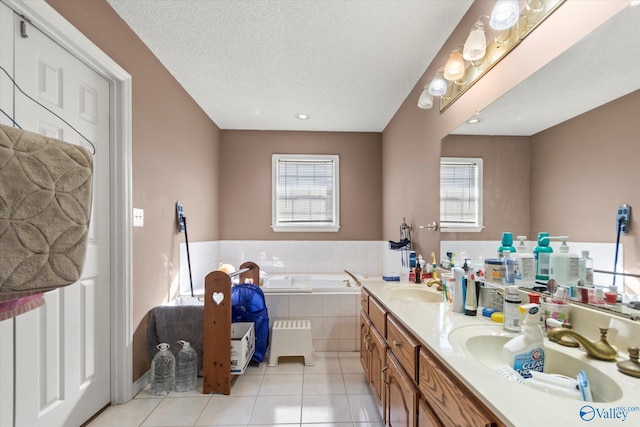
point(278, 226)
point(477, 226)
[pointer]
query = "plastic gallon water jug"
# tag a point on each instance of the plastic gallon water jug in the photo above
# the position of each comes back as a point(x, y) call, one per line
point(186, 368)
point(163, 367)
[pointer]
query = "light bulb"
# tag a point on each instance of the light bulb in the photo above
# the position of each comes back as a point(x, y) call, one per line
point(505, 14)
point(476, 45)
point(426, 99)
point(438, 85)
point(454, 70)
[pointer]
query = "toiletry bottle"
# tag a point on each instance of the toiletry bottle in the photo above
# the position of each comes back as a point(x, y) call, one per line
point(525, 352)
point(585, 269)
point(434, 266)
point(508, 270)
point(563, 266)
point(524, 264)
point(542, 252)
point(471, 298)
point(511, 313)
point(559, 296)
point(507, 244)
point(458, 290)
point(418, 273)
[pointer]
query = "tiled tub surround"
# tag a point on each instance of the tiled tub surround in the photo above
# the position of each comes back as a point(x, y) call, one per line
point(333, 316)
point(282, 257)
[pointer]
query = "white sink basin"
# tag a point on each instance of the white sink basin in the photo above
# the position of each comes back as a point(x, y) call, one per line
point(415, 293)
point(484, 344)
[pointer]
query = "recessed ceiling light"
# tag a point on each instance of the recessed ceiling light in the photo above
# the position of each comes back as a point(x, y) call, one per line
point(473, 121)
point(303, 116)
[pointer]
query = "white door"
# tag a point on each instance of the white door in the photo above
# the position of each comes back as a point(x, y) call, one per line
point(62, 350)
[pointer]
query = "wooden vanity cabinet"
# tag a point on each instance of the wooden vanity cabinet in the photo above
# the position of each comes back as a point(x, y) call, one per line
point(402, 396)
point(410, 385)
point(451, 401)
point(373, 349)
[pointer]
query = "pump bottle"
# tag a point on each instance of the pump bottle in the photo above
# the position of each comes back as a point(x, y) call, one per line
point(524, 264)
point(541, 253)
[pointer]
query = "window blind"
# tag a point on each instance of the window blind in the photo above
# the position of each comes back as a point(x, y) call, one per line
point(305, 192)
point(460, 193)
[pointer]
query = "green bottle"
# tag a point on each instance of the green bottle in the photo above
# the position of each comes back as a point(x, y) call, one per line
point(507, 244)
point(542, 254)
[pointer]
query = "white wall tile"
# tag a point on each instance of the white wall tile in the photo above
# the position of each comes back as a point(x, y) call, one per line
point(347, 304)
point(298, 306)
point(330, 305)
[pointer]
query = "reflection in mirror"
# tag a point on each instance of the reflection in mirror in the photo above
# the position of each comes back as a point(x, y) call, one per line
point(567, 137)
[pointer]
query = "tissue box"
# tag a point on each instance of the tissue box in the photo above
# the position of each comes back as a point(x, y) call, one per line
point(243, 344)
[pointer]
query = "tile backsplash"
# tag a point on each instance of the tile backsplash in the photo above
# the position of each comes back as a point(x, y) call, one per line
point(277, 257)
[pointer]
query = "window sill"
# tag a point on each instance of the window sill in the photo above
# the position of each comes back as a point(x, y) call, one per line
point(444, 229)
point(305, 229)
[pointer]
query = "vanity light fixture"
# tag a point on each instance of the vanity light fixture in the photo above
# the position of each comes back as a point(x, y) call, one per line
point(438, 85)
point(454, 69)
point(303, 116)
point(476, 45)
point(425, 101)
point(505, 14)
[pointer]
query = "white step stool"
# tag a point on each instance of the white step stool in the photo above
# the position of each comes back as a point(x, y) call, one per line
point(291, 338)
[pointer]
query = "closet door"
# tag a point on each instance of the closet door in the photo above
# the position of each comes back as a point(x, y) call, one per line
point(62, 350)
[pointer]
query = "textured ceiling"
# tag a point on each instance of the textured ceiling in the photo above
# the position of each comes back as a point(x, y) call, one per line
point(256, 64)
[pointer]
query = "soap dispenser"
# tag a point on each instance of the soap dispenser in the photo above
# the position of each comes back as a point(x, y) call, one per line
point(563, 266)
point(524, 264)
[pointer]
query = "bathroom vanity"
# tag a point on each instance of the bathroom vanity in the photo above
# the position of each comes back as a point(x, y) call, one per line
point(428, 366)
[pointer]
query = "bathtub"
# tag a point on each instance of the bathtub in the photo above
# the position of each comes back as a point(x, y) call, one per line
point(310, 283)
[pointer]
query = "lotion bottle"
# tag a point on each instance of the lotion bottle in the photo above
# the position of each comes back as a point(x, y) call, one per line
point(525, 352)
point(510, 309)
point(564, 266)
point(525, 264)
point(458, 290)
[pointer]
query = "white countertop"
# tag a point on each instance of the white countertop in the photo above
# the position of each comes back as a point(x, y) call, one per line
point(513, 403)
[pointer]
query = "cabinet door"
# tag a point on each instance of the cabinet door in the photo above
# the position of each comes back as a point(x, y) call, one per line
point(377, 365)
point(402, 396)
point(365, 336)
point(426, 417)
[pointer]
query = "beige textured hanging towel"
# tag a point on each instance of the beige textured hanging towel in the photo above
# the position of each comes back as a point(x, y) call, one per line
point(45, 207)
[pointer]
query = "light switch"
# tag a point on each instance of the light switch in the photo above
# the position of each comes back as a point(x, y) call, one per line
point(138, 217)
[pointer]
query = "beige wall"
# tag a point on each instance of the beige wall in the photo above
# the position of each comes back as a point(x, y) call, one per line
point(245, 182)
point(175, 150)
point(583, 169)
point(506, 181)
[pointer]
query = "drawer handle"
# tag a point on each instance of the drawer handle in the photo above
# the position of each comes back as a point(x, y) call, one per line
point(396, 344)
point(382, 375)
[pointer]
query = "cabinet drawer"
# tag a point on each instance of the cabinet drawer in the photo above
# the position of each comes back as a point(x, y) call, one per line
point(403, 346)
point(449, 398)
point(364, 300)
point(377, 315)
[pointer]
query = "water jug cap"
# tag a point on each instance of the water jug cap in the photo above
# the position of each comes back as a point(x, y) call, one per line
point(184, 344)
point(163, 346)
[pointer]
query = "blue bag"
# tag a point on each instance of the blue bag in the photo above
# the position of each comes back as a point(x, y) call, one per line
point(248, 305)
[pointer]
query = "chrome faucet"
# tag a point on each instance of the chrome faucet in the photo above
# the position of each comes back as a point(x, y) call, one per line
point(601, 350)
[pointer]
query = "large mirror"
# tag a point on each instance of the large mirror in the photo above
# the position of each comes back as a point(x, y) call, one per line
point(580, 116)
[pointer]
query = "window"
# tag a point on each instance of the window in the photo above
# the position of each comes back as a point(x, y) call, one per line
point(305, 192)
point(460, 194)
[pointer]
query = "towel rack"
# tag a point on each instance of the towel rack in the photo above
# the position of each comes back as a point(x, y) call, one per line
point(216, 346)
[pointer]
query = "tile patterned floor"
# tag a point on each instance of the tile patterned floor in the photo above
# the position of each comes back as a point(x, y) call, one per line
point(333, 392)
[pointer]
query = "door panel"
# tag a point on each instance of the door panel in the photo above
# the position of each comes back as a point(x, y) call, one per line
point(62, 350)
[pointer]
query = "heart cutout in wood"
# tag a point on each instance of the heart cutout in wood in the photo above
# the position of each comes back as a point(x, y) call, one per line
point(218, 297)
